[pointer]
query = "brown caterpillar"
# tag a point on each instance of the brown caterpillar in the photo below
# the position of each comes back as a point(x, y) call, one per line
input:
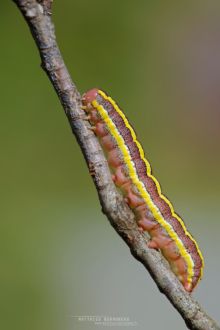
point(132, 174)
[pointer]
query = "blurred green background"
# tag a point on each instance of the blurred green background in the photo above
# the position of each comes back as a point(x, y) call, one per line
point(59, 256)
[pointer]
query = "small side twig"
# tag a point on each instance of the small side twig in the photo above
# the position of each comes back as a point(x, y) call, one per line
point(37, 14)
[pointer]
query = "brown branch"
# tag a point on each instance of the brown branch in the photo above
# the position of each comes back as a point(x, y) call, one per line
point(38, 16)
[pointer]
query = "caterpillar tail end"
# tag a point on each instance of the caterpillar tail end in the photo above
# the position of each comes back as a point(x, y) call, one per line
point(188, 287)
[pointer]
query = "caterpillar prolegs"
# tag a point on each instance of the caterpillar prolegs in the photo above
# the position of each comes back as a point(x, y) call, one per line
point(133, 176)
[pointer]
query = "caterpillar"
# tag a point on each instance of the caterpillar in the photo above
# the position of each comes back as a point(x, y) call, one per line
point(131, 173)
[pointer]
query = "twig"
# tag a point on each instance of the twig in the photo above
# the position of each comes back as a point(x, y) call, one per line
point(38, 16)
